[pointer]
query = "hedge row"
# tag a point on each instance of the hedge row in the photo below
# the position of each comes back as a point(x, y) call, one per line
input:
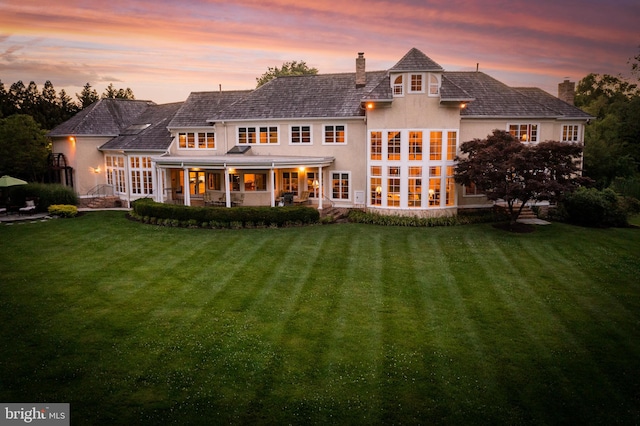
point(222, 217)
point(359, 216)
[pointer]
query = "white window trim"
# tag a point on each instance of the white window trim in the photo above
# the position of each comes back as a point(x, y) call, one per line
point(339, 200)
point(429, 85)
point(324, 134)
point(394, 85)
point(257, 142)
point(301, 143)
point(196, 133)
point(538, 130)
point(578, 137)
point(409, 83)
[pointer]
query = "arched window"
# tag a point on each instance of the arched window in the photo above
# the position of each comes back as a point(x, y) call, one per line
point(398, 86)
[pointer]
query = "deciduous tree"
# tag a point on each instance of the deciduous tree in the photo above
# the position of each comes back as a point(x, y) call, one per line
point(505, 169)
point(288, 68)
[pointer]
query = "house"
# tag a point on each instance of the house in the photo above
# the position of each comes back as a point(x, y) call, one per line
point(384, 140)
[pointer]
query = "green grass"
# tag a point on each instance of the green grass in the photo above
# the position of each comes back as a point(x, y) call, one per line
point(340, 324)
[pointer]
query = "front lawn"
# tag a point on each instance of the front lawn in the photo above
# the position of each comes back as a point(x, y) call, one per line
point(357, 324)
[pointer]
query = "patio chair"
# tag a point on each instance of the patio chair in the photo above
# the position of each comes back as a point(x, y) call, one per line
point(29, 207)
point(303, 199)
point(222, 201)
point(237, 200)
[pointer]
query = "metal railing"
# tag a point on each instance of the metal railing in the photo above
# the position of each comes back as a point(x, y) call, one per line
point(102, 190)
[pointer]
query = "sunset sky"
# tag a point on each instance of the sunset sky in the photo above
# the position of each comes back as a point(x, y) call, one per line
point(163, 50)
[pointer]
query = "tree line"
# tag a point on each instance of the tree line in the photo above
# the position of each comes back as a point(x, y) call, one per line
point(48, 107)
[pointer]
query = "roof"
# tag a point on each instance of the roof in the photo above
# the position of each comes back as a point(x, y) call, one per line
point(415, 60)
point(148, 132)
point(202, 106)
point(235, 160)
point(550, 101)
point(105, 117)
point(493, 98)
point(305, 96)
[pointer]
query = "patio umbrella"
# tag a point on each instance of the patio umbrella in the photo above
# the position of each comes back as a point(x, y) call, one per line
point(7, 181)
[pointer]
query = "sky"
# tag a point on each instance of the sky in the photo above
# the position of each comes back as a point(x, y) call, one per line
point(163, 49)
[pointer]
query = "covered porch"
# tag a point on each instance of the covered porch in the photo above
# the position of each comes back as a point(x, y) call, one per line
point(250, 180)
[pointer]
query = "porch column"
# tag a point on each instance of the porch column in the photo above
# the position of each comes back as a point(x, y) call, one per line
point(186, 192)
point(157, 183)
point(273, 187)
point(320, 188)
point(227, 187)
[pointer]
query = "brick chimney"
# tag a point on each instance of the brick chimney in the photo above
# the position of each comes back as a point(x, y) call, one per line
point(567, 91)
point(361, 76)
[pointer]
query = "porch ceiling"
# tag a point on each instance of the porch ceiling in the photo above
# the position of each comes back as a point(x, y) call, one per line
point(251, 161)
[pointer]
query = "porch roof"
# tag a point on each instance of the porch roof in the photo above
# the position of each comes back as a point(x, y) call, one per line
point(235, 161)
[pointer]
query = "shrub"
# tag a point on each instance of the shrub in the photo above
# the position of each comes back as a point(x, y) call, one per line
point(63, 210)
point(222, 217)
point(46, 195)
point(594, 208)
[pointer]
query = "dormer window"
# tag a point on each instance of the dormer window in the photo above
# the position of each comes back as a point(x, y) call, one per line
point(434, 85)
point(417, 84)
point(398, 86)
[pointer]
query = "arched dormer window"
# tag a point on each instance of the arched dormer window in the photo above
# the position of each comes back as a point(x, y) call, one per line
point(398, 86)
point(434, 85)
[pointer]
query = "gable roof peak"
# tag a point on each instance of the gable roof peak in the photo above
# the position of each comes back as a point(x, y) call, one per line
point(415, 60)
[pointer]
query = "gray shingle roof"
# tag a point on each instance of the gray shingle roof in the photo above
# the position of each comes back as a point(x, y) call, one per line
point(306, 96)
point(148, 132)
point(105, 117)
point(561, 107)
point(495, 99)
point(450, 91)
point(202, 106)
point(415, 60)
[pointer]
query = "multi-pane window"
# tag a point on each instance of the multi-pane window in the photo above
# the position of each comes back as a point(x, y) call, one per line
point(269, 134)
point(451, 145)
point(449, 197)
point(376, 185)
point(141, 175)
point(246, 135)
point(415, 145)
point(255, 181)
point(376, 145)
point(471, 190)
point(415, 187)
point(290, 181)
point(394, 145)
point(313, 185)
point(340, 185)
point(115, 173)
point(435, 146)
point(434, 85)
point(214, 181)
point(416, 83)
point(398, 86)
point(434, 186)
point(524, 132)
point(334, 134)
point(301, 134)
point(197, 140)
point(393, 186)
point(570, 133)
point(196, 182)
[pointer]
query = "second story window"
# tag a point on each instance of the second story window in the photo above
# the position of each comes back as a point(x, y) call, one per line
point(434, 85)
point(416, 84)
point(524, 132)
point(398, 86)
point(334, 134)
point(197, 140)
point(257, 135)
point(301, 134)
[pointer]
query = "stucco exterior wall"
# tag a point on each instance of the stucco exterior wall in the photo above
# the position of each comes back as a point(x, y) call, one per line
point(86, 160)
